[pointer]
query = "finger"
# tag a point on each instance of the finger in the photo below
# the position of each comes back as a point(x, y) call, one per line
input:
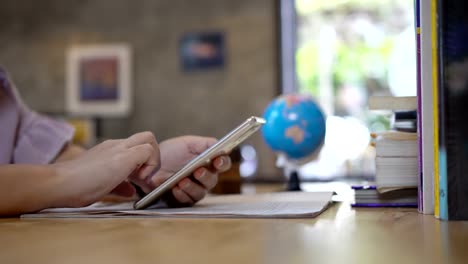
point(110, 143)
point(141, 138)
point(195, 191)
point(181, 196)
point(143, 184)
point(140, 155)
point(124, 189)
point(145, 138)
point(106, 145)
point(207, 178)
point(222, 163)
point(156, 181)
point(146, 171)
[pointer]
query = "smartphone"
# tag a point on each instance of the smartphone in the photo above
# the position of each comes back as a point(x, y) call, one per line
point(224, 146)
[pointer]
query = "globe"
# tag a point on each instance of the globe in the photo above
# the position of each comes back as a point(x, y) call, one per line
point(295, 126)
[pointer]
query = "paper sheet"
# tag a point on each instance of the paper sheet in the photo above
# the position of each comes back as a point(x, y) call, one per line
point(271, 205)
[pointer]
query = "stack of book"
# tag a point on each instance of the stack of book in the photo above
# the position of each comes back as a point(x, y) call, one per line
point(369, 196)
point(397, 155)
point(442, 106)
point(396, 161)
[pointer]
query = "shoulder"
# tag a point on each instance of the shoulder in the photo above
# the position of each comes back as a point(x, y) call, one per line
point(8, 89)
point(3, 75)
point(5, 84)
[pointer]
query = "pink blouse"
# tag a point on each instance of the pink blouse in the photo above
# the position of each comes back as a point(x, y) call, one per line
point(26, 136)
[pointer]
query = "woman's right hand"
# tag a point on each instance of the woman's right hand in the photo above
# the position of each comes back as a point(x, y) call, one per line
point(106, 167)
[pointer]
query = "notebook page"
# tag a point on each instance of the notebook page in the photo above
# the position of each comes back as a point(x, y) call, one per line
point(271, 205)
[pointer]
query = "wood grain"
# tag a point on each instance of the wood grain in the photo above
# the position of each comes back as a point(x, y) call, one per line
point(340, 235)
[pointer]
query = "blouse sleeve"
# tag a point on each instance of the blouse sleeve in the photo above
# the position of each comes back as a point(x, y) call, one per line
point(39, 139)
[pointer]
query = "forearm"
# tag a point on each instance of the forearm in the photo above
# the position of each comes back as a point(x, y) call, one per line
point(29, 188)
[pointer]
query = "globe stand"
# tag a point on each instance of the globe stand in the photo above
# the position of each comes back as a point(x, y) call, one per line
point(290, 170)
point(294, 184)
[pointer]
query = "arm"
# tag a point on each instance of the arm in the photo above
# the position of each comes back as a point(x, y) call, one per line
point(35, 187)
point(80, 181)
point(43, 189)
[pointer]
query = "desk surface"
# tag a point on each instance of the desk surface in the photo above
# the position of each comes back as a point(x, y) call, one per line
point(340, 235)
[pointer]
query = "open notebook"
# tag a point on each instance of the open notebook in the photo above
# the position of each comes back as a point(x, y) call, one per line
point(270, 205)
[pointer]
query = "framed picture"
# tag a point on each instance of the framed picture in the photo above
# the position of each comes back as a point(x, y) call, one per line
point(202, 51)
point(98, 80)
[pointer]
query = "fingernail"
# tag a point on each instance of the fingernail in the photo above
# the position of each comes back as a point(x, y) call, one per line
point(201, 174)
point(220, 162)
point(186, 184)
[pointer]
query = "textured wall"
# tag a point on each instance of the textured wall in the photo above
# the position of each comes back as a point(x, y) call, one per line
point(35, 34)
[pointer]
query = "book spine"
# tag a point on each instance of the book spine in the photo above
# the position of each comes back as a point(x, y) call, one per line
point(453, 87)
point(426, 115)
point(417, 17)
point(442, 158)
point(435, 102)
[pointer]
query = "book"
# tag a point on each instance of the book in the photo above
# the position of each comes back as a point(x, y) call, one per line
point(417, 17)
point(426, 115)
point(392, 103)
point(396, 144)
point(396, 172)
point(268, 205)
point(410, 115)
point(369, 196)
point(405, 121)
point(396, 160)
point(453, 109)
point(394, 135)
point(435, 100)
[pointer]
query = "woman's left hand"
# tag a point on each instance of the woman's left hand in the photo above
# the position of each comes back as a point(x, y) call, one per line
point(176, 153)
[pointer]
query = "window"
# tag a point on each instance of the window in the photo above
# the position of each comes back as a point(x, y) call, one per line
point(342, 52)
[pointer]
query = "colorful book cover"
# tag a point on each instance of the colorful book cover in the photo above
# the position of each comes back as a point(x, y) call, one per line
point(443, 206)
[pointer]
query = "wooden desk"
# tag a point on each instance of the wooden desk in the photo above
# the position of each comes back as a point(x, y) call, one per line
point(340, 235)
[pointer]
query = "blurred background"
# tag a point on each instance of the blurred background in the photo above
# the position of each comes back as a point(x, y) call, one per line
point(342, 52)
point(339, 51)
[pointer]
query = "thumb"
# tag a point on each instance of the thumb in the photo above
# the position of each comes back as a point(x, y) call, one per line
point(200, 144)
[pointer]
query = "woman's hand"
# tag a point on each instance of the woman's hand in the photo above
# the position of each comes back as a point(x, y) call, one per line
point(106, 167)
point(176, 153)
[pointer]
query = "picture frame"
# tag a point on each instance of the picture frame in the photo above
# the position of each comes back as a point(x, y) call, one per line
point(200, 51)
point(98, 81)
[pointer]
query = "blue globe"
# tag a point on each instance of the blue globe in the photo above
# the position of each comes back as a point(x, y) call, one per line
point(295, 126)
